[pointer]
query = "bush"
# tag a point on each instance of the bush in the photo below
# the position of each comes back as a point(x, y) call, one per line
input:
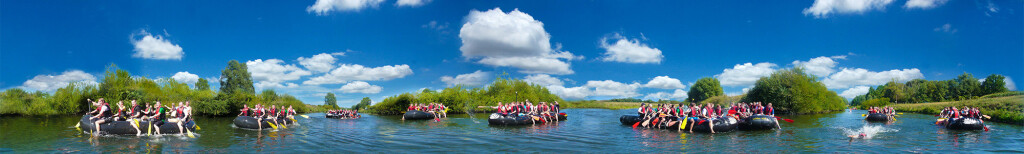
point(793, 91)
point(461, 100)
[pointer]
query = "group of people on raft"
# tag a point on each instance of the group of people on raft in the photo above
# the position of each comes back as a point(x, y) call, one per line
point(663, 115)
point(888, 111)
point(156, 114)
point(543, 111)
point(272, 114)
point(436, 109)
point(964, 112)
point(347, 114)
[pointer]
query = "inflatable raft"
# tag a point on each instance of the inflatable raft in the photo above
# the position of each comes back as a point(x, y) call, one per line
point(879, 117)
point(964, 124)
point(417, 115)
point(338, 116)
point(758, 122)
point(125, 127)
point(498, 119)
point(724, 124)
point(248, 122)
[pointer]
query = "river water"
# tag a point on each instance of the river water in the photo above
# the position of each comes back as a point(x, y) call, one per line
point(586, 131)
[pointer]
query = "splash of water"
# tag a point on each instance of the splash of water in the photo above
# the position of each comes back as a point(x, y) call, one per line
point(870, 131)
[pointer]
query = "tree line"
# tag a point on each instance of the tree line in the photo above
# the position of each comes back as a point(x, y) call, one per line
point(963, 87)
point(236, 90)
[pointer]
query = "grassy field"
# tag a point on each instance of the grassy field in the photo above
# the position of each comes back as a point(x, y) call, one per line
point(1008, 109)
point(601, 105)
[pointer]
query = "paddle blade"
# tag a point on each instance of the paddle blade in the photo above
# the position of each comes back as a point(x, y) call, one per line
point(78, 124)
point(863, 115)
point(636, 124)
point(197, 127)
point(701, 122)
point(986, 128)
point(304, 116)
point(899, 113)
point(272, 125)
point(788, 120)
point(190, 133)
point(936, 115)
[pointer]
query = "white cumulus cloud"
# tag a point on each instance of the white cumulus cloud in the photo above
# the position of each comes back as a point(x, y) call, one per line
point(854, 92)
point(678, 94)
point(543, 80)
point(155, 47)
point(745, 74)
point(1010, 85)
point(350, 72)
point(821, 66)
point(185, 77)
point(665, 82)
point(322, 7)
point(924, 4)
point(857, 76)
point(823, 8)
point(50, 83)
point(629, 50)
point(411, 3)
point(612, 88)
point(274, 70)
point(360, 87)
point(570, 92)
point(322, 62)
point(512, 39)
point(471, 79)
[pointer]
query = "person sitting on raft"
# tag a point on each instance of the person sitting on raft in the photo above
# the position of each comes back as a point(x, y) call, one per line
point(103, 114)
point(158, 118)
point(120, 115)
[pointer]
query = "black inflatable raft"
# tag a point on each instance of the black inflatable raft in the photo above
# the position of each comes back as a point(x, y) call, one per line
point(879, 117)
point(758, 122)
point(417, 115)
point(248, 122)
point(964, 124)
point(498, 119)
point(338, 116)
point(125, 127)
point(724, 124)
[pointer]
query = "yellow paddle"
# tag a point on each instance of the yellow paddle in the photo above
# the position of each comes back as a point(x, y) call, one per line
point(863, 115)
point(304, 116)
point(272, 125)
point(190, 133)
point(285, 126)
point(683, 125)
point(150, 126)
point(293, 119)
point(78, 124)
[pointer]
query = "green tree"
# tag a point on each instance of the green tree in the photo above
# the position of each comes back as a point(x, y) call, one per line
point(966, 86)
point(236, 79)
point(331, 101)
point(705, 88)
point(362, 104)
point(794, 91)
point(236, 87)
point(202, 84)
point(993, 84)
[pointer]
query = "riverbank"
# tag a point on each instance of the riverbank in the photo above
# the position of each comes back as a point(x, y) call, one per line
point(1009, 109)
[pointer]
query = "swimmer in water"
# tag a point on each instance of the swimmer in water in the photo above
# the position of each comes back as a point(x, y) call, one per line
point(861, 136)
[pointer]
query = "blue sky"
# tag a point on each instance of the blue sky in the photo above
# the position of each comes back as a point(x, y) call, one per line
point(578, 49)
